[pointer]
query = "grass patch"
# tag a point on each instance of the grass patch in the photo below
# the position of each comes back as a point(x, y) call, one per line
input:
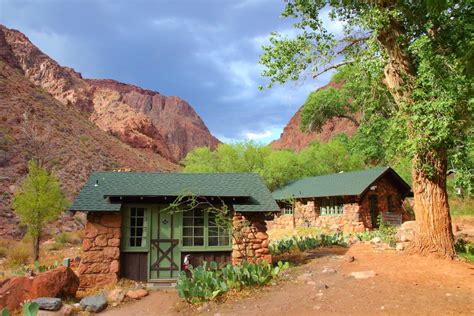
point(467, 256)
point(66, 238)
point(462, 207)
point(18, 254)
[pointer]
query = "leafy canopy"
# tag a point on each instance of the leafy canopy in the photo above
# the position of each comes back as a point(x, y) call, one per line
point(39, 199)
point(276, 167)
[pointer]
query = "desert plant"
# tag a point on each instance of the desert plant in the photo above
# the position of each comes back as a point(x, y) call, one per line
point(19, 254)
point(289, 244)
point(38, 201)
point(68, 238)
point(30, 309)
point(5, 312)
point(208, 281)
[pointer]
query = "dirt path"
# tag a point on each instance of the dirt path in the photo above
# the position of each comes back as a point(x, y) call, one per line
point(403, 285)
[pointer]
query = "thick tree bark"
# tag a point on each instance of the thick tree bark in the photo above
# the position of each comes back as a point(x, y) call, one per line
point(434, 235)
point(431, 199)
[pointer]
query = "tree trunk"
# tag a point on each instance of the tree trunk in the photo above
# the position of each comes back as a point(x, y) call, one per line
point(36, 247)
point(431, 199)
point(434, 235)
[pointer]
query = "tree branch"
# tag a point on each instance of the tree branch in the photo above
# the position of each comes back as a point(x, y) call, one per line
point(333, 67)
point(352, 42)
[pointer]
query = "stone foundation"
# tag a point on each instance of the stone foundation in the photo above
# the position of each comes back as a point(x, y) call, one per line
point(100, 264)
point(250, 239)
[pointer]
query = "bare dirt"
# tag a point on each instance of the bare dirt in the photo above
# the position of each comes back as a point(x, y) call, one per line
point(403, 285)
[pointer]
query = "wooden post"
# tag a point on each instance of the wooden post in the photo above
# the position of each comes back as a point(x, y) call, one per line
point(293, 209)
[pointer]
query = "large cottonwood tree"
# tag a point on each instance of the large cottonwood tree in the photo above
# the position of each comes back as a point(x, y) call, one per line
point(423, 50)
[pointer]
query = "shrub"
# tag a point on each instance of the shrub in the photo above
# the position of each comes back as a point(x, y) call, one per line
point(289, 244)
point(207, 281)
point(68, 238)
point(19, 254)
point(386, 232)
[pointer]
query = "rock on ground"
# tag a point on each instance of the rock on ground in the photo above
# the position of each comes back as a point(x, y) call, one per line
point(93, 303)
point(116, 295)
point(136, 294)
point(48, 303)
point(363, 274)
point(59, 282)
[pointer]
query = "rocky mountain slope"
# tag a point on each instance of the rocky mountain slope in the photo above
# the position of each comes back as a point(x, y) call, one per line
point(294, 138)
point(77, 126)
point(34, 124)
point(141, 118)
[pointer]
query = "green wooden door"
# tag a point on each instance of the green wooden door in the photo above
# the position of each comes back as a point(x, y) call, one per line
point(165, 252)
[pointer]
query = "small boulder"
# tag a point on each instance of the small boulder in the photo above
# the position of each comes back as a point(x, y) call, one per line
point(329, 270)
point(136, 294)
point(376, 240)
point(350, 258)
point(48, 303)
point(363, 274)
point(400, 246)
point(93, 303)
point(116, 295)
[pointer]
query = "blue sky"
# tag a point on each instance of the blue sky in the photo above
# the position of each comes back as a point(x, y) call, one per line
point(204, 51)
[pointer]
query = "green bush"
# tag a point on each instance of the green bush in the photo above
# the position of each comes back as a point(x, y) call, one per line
point(386, 232)
point(289, 244)
point(208, 281)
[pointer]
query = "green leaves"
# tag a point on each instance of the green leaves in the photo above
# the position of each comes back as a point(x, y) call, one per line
point(30, 309)
point(289, 244)
point(39, 199)
point(208, 282)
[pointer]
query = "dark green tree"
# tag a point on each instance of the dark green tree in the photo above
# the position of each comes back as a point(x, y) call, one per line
point(421, 52)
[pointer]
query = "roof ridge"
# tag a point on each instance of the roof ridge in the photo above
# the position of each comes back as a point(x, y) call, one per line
point(341, 173)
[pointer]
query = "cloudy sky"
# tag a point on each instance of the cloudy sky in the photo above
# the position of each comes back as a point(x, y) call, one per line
point(204, 51)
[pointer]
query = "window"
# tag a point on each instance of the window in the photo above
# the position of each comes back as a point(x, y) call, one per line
point(332, 206)
point(136, 228)
point(193, 228)
point(288, 210)
point(389, 203)
point(200, 229)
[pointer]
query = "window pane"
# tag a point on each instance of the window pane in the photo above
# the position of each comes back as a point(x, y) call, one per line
point(187, 231)
point(198, 241)
point(187, 241)
point(138, 242)
point(139, 231)
point(199, 221)
point(139, 221)
point(187, 221)
point(199, 213)
point(213, 231)
point(141, 212)
point(132, 232)
point(224, 240)
point(133, 212)
point(132, 242)
point(213, 241)
point(133, 221)
point(198, 231)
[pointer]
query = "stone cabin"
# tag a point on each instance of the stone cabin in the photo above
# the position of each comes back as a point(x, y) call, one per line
point(132, 232)
point(345, 201)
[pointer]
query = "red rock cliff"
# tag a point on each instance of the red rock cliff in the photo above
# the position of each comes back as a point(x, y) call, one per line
point(141, 118)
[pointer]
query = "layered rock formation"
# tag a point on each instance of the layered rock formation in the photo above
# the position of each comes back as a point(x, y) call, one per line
point(294, 138)
point(141, 118)
point(34, 124)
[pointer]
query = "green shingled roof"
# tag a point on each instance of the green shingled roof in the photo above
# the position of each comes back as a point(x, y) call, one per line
point(336, 184)
point(95, 194)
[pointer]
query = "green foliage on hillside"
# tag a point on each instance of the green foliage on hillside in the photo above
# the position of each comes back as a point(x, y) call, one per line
point(276, 167)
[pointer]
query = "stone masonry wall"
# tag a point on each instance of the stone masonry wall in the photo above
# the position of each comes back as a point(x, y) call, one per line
point(382, 189)
point(100, 264)
point(250, 241)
